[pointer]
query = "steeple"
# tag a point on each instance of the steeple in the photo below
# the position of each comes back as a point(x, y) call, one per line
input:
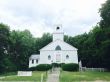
point(58, 34)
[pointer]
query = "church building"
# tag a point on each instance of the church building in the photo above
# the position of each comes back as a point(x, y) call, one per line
point(57, 51)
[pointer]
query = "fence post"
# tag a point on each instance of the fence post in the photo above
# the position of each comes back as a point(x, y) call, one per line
point(41, 77)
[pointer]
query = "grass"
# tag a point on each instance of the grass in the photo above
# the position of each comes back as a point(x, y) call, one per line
point(7, 74)
point(84, 76)
point(64, 77)
point(36, 76)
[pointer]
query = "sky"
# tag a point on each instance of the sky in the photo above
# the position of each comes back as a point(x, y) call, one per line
point(41, 16)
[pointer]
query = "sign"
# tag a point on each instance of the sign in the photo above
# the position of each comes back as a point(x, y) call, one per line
point(24, 73)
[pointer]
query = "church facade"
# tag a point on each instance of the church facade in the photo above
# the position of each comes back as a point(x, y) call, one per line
point(57, 51)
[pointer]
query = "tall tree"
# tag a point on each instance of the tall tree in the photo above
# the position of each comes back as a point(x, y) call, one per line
point(22, 45)
point(5, 63)
point(105, 14)
point(43, 41)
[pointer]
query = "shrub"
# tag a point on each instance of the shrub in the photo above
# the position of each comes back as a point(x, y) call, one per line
point(44, 67)
point(57, 64)
point(41, 67)
point(32, 69)
point(70, 67)
point(8, 66)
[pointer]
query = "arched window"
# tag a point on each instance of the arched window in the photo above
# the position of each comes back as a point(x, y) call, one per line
point(58, 48)
point(67, 57)
point(36, 60)
point(32, 61)
point(49, 57)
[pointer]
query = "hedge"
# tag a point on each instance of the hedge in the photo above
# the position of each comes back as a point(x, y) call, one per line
point(70, 67)
point(57, 64)
point(41, 67)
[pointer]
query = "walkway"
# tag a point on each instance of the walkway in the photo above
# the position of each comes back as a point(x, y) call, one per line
point(54, 75)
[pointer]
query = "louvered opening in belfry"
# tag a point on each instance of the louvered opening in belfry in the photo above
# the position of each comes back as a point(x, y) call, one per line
point(58, 48)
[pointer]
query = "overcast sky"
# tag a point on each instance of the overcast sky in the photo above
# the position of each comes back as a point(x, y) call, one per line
point(40, 16)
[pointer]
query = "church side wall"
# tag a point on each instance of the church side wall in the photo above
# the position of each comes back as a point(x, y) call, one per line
point(73, 58)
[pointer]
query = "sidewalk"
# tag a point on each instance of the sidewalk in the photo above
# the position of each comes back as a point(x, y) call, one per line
point(54, 75)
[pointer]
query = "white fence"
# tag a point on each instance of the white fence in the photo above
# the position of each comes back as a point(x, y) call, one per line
point(93, 69)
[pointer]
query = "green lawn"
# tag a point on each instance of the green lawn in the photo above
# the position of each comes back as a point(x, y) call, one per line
point(84, 76)
point(36, 76)
point(8, 74)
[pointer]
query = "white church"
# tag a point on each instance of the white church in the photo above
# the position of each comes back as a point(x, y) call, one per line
point(57, 51)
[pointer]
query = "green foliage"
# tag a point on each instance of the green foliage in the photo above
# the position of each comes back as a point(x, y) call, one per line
point(105, 14)
point(8, 66)
point(41, 42)
point(32, 68)
point(41, 67)
point(22, 46)
point(57, 64)
point(70, 67)
point(4, 47)
point(44, 67)
point(105, 53)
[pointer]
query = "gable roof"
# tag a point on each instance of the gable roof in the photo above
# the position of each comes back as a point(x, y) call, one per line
point(34, 56)
point(62, 44)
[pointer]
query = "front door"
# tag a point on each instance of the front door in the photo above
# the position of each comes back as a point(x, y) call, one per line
point(58, 58)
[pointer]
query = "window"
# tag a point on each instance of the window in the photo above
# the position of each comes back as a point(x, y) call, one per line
point(67, 57)
point(58, 48)
point(49, 57)
point(32, 61)
point(58, 28)
point(36, 60)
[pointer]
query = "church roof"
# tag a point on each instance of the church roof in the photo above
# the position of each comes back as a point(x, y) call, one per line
point(58, 44)
point(34, 56)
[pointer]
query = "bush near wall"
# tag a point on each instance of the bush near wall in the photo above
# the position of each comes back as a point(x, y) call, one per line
point(41, 67)
point(57, 64)
point(32, 69)
point(70, 67)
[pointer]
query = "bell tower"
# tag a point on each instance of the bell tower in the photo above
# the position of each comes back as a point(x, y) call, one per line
point(58, 34)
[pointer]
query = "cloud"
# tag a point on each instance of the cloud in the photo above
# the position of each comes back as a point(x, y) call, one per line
point(40, 16)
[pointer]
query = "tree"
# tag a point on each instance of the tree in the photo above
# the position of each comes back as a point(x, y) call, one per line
point(43, 41)
point(105, 14)
point(22, 46)
point(4, 47)
point(105, 54)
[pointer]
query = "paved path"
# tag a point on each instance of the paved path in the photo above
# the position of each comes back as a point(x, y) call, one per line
point(54, 75)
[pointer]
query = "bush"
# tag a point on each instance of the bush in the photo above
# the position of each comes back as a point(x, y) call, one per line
point(70, 67)
point(32, 69)
point(8, 66)
point(41, 67)
point(44, 67)
point(57, 64)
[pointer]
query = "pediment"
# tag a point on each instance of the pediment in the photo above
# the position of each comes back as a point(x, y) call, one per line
point(58, 45)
